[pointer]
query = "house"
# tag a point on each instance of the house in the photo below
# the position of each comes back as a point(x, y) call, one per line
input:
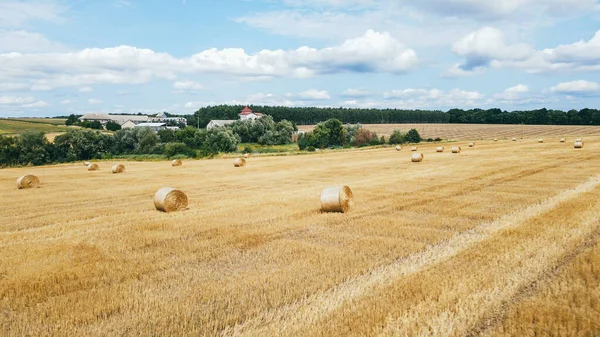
point(215, 123)
point(162, 117)
point(247, 114)
point(102, 118)
point(153, 126)
point(119, 119)
point(128, 125)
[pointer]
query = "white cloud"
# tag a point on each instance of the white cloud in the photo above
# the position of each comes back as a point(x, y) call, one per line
point(94, 101)
point(515, 95)
point(38, 104)
point(433, 98)
point(187, 85)
point(580, 87)
point(371, 53)
point(26, 42)
point(313, 94)
point(17, 13)
point(13, 86)
point(9, 100)
point(519, 88)
point(487, 48)
point(356, 93)
point(66, 101)
point(85, 89)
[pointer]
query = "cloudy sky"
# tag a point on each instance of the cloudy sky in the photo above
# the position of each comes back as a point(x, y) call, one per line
point(59, 57)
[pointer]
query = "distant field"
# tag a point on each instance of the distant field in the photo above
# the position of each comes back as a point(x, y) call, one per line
point(481, 131)
point(18, 126)
point(501, 239)
point(54, 121)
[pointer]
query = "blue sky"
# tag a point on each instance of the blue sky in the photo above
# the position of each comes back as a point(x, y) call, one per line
point(59, 57)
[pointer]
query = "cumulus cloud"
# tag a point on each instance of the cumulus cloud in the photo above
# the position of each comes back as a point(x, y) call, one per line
point(94, 101)
point(580, 87)
point(518, 94)
point(38, 104)
point(85, 89)
point(372, 52)
point(13, 86)
point(487, 48)
point(9, 100)
point(26, 42)
point(17, 13)
point(356, 93)
point(419, 97)
point(187, 85)
point(66, 101)
point(313, 94)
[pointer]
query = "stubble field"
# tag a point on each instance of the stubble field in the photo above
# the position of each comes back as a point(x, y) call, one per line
point(501, 239)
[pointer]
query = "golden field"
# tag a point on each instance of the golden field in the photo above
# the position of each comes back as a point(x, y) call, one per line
point(481, 131)
point(501, 239)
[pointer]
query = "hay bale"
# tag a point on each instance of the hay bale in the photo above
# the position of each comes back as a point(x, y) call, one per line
point(93, 167)
point(578, 145)
point(28, 181)
point(562, 140)
point(118, 168)
point(456, 149)
point(168, 199)
point(246, 155)
point(540, 140)
point(439, 149)
point(416, 157)
point(514, 139)
point(239, 162)
point(414, 148)
point(176, 162)
point(87, 163)
point(336, 199)
point(495, 139)
point(398, 148)
point(578, 140)
point(471, 144)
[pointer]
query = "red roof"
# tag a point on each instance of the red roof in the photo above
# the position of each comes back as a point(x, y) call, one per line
point(258, 114)
point(246, 111)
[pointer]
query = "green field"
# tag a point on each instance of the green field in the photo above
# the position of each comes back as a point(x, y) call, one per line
point(18, 126)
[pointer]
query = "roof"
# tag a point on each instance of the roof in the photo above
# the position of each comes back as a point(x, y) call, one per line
point(94, 116)
point(133, 118)
point(245, 111)
point(221, 122)
point(151, 124)
point(126, 121)
point(258, 114)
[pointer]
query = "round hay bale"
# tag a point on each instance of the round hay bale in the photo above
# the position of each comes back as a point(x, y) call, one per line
point(176, 162)
point(246, 155)
point(239, 162)
point(471, 144)
point(87, 163)
point(416, 157)
point(439, 149)
point(540, 140)
point(398, 148)
point(495, 139)
point(578, 140)
point(578, 145)
point(456, 149)
point(93, 167)
point(168, 199)
point(514, 139)
point(562, 140)
point(414, 148)
point(118, 168)
point(336, 199)
point(28, 181)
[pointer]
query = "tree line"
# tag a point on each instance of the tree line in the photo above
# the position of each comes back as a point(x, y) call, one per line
point(314, 115)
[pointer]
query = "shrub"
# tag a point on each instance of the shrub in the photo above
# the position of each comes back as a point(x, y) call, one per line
point(413, 136)
point(112, 126)
point(365, 137)
point(173, 149)
point(397, 137)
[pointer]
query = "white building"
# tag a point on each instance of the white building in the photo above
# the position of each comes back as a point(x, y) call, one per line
point(162, 117)
point(128, 125)
point(153, 126)
point(215, 123)
point(120, 119)
point(247, 114)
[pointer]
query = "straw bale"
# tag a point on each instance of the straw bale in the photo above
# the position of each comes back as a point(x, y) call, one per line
point(93, 167)
point(578, 145)
point(168, 199)
point(176, 162)
point(118, 168)
point(416, 157)
point(239, 162)
point(28, 181)
point(439, 149)
point(336, 199)
point(414, 148)
point(456, 149)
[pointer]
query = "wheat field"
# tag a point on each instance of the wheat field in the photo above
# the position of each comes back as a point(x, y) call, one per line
point(499, 240)
point(480, 131)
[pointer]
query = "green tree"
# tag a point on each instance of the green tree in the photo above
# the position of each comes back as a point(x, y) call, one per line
point(397, 137)
point(413, 136)
point(112, 126)
point(33, 148)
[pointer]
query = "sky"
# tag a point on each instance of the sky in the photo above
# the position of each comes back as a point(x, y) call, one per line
point(59, 57)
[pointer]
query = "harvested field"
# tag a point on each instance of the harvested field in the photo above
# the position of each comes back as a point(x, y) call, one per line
point(482, 131)
point(427, 249)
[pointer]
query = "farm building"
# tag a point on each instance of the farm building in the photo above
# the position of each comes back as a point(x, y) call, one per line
point(120, 119)
point(162, 117)
point(153, 126)
point(128, 125)
point(215, 123)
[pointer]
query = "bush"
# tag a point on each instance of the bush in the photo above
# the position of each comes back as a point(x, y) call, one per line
point(365, 137)
point(247, 149)
point(397, 137)
point(413, 136)
point(112, 126)
point(173, 149)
